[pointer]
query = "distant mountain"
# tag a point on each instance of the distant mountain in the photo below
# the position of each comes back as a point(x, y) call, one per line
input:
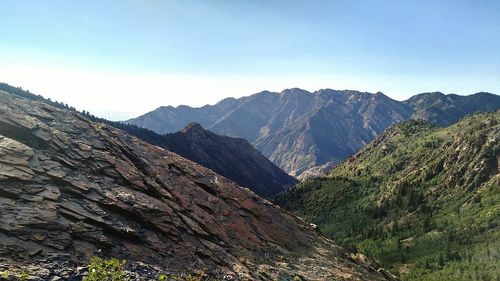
point(423, 200)
point(301, 131)
point(71, 189)
point(336, 125)
point(233, 158)
point(297, 129)
point(174, 119)
point(444, 110)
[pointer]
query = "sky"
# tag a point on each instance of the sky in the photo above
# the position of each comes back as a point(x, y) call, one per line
point(120, 59)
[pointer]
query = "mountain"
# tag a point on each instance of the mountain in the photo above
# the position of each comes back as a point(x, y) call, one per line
point(421, 199)
point(305, 132)
point(445, 110)
point(233, 158)
point(336, 126)
point(173, 119)
point(71, 188)
point(295, 129)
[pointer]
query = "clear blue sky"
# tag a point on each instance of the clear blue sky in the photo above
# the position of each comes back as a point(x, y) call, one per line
point(398, 47)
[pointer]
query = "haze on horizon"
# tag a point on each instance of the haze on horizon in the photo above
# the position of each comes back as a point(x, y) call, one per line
point(120, 59)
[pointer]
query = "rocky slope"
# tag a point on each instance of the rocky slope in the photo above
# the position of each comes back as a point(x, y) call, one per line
point(423, 200)
point(301, 131)
point(71, 189)
point(233, 158)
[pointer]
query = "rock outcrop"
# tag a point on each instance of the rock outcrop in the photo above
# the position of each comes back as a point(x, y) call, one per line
point(71, 189)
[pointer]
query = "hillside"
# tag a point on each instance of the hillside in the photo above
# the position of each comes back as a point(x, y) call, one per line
point(421, 199)
point(71, 188)
point(301, 131)
point(232, 158)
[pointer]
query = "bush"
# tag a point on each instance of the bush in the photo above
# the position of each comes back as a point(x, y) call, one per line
point(105, 270)
point(200, 275)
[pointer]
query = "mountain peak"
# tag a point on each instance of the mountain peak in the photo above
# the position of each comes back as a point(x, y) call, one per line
point(429, 95)
point(193, 127)
point(380, 95)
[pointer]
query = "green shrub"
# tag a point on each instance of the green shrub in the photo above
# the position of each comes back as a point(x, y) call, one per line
point(24, 275)
point(200, 275)
point(106, 270)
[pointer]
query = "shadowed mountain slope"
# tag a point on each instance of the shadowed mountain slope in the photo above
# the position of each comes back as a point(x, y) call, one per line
point(234, 157)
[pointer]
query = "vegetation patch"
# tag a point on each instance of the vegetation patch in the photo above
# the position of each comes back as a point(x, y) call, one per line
point(420, 199)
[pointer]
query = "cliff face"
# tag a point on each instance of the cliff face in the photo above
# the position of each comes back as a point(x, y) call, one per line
point(71, 189)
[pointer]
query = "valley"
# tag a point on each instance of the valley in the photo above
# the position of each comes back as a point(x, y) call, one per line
point(423, 200)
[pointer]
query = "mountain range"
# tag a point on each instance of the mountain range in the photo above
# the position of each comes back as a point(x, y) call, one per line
point(306, 133)
point(71, 188)
point(421, 199)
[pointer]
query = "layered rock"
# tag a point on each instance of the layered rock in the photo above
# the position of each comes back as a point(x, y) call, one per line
point(71, 189)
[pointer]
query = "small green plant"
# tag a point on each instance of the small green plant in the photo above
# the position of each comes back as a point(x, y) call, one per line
point(6, 274)
point(106, 270)
point(24, 275)
point(200, 275)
